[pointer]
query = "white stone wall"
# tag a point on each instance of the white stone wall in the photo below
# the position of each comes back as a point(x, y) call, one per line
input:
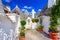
point(51, 2)
point(59, 24)
point(46, 23)
point(34, 25)
point(1, 7)
point(7, 28)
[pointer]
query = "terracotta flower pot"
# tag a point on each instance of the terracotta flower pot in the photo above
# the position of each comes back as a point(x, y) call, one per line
point(40, 29)
point(21, 38)
point(53, 35)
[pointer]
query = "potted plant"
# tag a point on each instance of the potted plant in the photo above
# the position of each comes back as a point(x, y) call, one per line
point(35, 20)
point(53, 29)
point(34, 23)
point(22, 30)
point(53, 32)
point(40, 28)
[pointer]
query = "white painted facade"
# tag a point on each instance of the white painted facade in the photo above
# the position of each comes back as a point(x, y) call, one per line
point(1, 8)
point(46, 19)
point(9, 24)
point(51, 3)
point(28, 23)
point(8, 27)
point(46, 23)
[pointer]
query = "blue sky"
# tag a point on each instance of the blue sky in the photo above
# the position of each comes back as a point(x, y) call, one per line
point(26, 4)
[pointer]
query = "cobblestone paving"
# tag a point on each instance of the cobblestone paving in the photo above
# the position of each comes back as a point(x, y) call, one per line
point(35, 35)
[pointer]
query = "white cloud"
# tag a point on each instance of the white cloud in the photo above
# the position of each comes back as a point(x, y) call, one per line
point(26, 10)
point(27, 7)
point(39, 9)
point(23, 9)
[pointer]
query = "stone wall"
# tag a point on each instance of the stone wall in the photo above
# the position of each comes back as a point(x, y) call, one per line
point(1, 7)
point(46, 23)
point(7, 28)
point(51, 3)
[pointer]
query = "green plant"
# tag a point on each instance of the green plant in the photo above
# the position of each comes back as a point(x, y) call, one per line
point(23, 22)
point(22, 28)
point(35, 20)
point(22, 34)
point(53, 29)
point(55, 11)
point(39, 26)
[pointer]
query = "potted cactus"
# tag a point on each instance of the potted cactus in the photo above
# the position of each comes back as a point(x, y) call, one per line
point(22, 30)
point(40, 28)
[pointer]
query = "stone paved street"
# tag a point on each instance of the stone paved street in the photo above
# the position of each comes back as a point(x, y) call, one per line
point(35, 35)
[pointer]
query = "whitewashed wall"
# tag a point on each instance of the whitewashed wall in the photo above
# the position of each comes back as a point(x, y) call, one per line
point(46, 23)
point(28, 23)
point(1, 7)
point(59, 26)
point(7, 28)
point(51, 3)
